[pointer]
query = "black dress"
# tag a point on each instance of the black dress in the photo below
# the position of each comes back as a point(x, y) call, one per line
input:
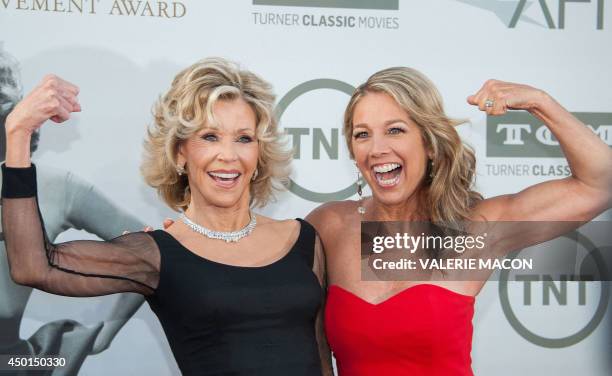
point(219, 319)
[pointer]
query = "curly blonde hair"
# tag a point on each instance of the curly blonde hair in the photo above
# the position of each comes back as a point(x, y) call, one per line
point(449, 194)
point(187, 107)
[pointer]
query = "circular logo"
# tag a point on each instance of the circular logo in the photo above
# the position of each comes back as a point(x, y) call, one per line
point(555, 343)
point(283, 104)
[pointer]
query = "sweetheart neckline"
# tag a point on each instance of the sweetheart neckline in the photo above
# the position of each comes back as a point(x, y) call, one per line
point(407, 289)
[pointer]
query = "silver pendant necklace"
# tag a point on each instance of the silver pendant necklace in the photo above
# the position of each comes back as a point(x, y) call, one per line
point(227, 236)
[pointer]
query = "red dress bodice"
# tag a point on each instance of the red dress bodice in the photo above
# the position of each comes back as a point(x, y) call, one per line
point(423, 330)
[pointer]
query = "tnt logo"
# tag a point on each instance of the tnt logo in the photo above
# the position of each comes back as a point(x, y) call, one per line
point(557, 289)
point(560, 307)
point(311, 114)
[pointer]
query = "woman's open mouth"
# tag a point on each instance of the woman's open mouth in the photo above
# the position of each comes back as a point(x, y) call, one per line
point(388, 174)
point(225, 179)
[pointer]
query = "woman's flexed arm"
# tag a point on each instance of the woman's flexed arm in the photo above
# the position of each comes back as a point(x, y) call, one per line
point(580, 197)
point(128, 263)
point(565, 202)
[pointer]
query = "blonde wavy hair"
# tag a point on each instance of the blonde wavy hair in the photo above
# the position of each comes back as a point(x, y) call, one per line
point(187, 107)
point(448, 195)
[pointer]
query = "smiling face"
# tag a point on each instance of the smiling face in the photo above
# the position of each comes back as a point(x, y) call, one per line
point(220, 161)
point(388, 149)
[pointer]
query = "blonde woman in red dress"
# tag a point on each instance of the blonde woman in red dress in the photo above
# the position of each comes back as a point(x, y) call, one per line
point(411, 156)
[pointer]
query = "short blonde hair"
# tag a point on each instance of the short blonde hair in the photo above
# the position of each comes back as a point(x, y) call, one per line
point(449, 194)
point(187, 107)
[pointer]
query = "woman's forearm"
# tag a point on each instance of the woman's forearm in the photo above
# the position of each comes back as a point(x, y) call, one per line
point(22, 226)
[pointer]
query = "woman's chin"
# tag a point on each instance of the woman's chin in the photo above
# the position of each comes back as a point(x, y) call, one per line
point(224, 198)
point(391, 196)
point(225, 203)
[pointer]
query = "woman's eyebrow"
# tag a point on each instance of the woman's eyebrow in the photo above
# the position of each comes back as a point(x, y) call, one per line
point(392, 121)
point(360, 125)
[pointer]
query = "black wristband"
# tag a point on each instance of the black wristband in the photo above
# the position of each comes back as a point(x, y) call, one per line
point(18, 182)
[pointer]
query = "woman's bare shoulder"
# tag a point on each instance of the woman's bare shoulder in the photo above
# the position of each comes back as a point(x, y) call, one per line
point(328, 216)
point(277, 225)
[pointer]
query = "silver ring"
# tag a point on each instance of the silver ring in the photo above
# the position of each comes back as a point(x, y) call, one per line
point(489, 103)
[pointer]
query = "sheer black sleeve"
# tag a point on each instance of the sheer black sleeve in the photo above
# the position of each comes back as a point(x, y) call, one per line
point(128, 263)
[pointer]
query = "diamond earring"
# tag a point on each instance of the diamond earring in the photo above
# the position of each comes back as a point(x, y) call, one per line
point(180, 170)
point(255, 174)
point(431, 169)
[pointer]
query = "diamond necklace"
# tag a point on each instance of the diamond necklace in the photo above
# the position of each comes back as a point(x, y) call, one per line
point(227, 236)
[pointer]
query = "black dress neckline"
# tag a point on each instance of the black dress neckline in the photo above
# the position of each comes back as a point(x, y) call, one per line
point(207, 260)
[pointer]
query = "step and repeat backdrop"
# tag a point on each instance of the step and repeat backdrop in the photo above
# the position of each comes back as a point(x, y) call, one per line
point(123, 54)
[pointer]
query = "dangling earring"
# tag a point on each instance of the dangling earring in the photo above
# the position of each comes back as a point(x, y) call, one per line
point(255, 174)
point(360, 209)
point(180, 170)
point(431, 169)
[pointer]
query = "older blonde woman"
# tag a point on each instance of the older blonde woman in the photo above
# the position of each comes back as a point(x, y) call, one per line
point(236, 292)
point(408, 151)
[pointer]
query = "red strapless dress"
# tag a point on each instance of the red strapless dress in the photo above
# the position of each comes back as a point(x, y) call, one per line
point(423, 330)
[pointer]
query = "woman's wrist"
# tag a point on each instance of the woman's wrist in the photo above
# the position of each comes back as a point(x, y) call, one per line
point(18, 149)
point(541, 101)
point(13, 129)
point(546, 108)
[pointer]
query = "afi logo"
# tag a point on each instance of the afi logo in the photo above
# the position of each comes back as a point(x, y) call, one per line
point(511, 11)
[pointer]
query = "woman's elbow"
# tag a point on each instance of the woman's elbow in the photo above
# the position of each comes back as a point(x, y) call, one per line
point(602, 200)
point(23, 277)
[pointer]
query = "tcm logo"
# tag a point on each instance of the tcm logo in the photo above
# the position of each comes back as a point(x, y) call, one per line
point(510, 12)
point(311, 115)
point(346, 4)
point(537, 303)
point(519, 134)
